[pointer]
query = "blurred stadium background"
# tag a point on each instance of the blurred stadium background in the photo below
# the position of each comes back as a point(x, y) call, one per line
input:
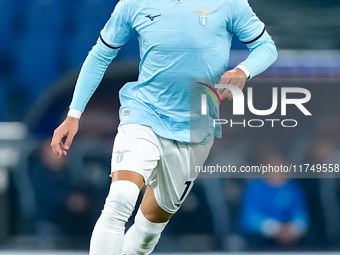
point(52, 204)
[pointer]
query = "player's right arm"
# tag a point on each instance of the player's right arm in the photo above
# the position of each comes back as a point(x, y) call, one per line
point(116, 33)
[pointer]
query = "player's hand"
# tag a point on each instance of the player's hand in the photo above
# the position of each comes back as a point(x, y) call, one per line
point(287, 235)
point(68, 129)
point(235, 77)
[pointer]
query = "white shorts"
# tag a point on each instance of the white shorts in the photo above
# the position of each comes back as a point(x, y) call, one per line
point(164, 164)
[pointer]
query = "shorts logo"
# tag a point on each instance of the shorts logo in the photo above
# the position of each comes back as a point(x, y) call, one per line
point(203, 18)
point(120, 155)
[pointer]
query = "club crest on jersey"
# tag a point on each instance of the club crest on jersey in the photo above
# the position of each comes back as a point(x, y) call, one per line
point(120, 155)
point(203, 18)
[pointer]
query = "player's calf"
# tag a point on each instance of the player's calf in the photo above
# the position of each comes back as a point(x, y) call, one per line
point(143, 236)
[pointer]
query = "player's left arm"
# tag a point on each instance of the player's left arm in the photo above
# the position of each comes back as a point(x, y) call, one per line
point(252, 32)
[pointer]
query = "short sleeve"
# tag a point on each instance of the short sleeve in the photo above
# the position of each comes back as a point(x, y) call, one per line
point(246, 25)
point(117, 31)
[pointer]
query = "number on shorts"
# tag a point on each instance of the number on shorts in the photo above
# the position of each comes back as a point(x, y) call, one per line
point(188, 183)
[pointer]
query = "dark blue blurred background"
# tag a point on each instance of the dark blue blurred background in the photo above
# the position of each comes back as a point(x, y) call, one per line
point(46, 203)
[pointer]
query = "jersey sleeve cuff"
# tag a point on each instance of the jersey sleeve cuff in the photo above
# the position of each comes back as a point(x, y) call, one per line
point(74, 113)
point(244, 69)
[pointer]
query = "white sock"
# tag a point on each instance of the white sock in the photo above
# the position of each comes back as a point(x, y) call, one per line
point(143, 236)
point(108, 234)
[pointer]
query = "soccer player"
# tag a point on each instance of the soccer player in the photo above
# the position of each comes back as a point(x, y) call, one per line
point(179, 40)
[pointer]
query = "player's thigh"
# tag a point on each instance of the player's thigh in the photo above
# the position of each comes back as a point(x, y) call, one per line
point(173, 179)
point(135, 154)
point(151, 210)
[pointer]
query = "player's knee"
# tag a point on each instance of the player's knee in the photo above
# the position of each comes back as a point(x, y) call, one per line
point(121, 200)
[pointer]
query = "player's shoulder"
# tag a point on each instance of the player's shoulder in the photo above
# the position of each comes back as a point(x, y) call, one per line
point(130, 5)
point(136, 6)
point(235, 2)
point(187, 1)
point(231, 3)
point(134, 1)
point(214, 1)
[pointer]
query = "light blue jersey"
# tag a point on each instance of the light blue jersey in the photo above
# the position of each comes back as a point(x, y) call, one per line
point(179, 40)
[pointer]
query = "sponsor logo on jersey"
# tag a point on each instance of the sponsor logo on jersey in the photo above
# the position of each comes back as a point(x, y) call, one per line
point(152, 17)
point(203, 18)
point(120, 155)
